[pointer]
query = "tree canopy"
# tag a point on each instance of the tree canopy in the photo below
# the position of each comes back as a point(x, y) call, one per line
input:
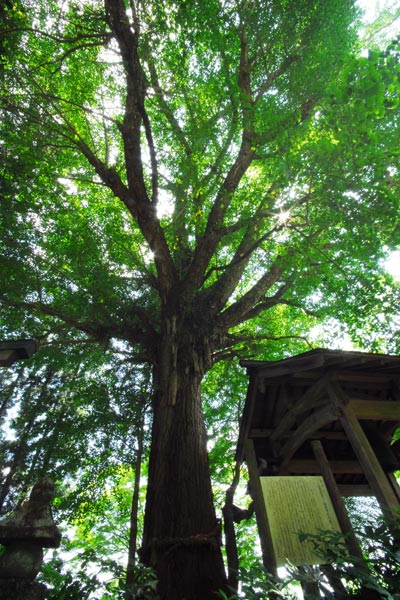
point(183, 183)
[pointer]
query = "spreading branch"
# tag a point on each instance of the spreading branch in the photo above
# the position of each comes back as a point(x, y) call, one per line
point(98, 331)
point(135, 115)
point(234, 345)
point(252, 301)
point(172, 120)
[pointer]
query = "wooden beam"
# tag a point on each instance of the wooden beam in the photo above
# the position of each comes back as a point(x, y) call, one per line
point(290, 366)
point(264, 530)
point(306, 402)
point(13, 350)
point(311, 467)
point(366, 456)
point(367, 380)
point(336, 498)
point(347, 489)
point(247, 417)
point(381, 394)
point(317, 419)
point(394, 484)
point(267, 431)
point(395, 391)
point(8, 357)
point(281, 403)
point(376, 410)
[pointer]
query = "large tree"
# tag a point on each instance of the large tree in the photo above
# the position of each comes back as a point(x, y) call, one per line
point(179, 177)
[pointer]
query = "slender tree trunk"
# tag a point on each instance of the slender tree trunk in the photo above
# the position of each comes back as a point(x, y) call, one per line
point(230, 534)
point(133, 530)
point(181, 533)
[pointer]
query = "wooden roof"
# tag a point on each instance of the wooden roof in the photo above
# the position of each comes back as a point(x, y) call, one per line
point(295, 400)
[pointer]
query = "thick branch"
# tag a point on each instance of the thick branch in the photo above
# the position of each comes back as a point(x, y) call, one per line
point(214, 232)
point(244, 72)
point(135, 116)
point(108, 175)
point(266, 303)
point(99, 331)
point(231, 349)
point(292, 120)
point(176, 128)
point(153, 158)
point(224, 287)
point(247, 304)
point(272, 77)
point(103, 37)
point(208, 242)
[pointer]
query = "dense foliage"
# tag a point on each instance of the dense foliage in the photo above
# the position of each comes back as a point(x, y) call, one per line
point(340, 575)
point(182, 184)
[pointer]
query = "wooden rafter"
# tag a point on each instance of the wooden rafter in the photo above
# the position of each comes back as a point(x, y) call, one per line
point(317, 419)
point(306, 402)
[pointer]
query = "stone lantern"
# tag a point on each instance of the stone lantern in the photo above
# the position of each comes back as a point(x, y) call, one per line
point(24, 533)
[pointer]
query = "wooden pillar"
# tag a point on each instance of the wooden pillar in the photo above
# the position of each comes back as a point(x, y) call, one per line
point(376, 476)
point(395, 485)
point(336, 498)
point(264, 530)
point(366, 456)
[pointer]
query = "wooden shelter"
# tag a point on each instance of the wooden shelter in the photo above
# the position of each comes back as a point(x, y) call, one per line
point(326, 412)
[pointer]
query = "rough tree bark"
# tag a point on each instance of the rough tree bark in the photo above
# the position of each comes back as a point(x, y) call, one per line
point(181, 533)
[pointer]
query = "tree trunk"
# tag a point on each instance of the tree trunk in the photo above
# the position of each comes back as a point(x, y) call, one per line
point(181, 533)
point(231, 549)
point(133, 530)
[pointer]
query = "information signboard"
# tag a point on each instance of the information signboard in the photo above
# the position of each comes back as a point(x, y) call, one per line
point(294, 505)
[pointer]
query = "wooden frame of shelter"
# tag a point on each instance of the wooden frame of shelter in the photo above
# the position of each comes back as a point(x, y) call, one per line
point(324, 412)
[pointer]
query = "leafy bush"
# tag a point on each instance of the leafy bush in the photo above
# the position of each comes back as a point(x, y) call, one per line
point(108, 584)
point(340, 575)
